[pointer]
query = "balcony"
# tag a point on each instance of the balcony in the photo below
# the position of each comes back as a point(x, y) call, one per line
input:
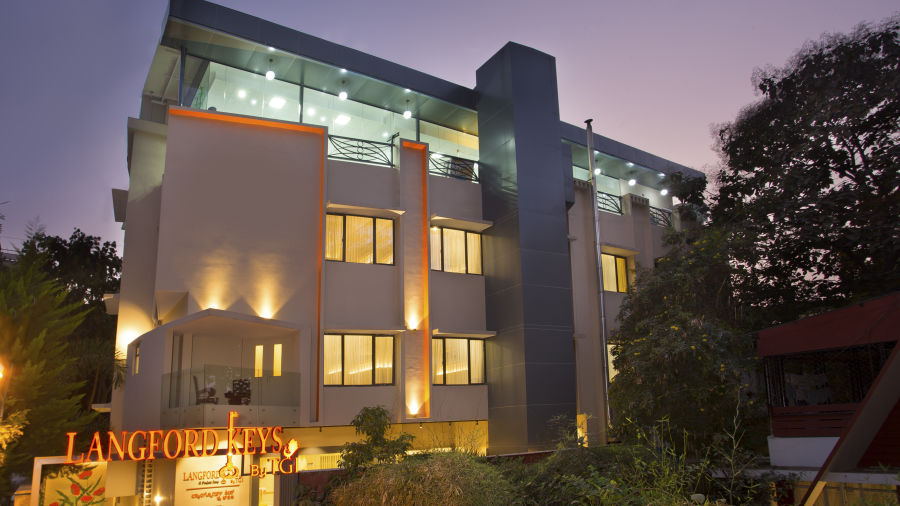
point(359, 150)
point(203, 396)
point(660, 217)
point(453, 167)
point(609, 203)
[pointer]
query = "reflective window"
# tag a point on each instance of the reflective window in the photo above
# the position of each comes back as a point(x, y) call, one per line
point(455, 250)
point(359, 239)
point(227, 89)
point(352, 359)
point(457, 361)
point(615, 273)
point(448, 141)
point(349, 118)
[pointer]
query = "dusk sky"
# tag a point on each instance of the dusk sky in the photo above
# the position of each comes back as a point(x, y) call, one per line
point(653, 74)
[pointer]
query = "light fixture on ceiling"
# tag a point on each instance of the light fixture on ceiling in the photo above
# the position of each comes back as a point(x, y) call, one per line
point(632, 182)
point(343, 94)
point(270, 74)
point(661, 174)
point(242, 93)
point(664, 192)
point(629, 164)
point(407, 90)
point(342, 119)
point(343, 71)
point(597, 172)
point(407, 113)
point(271, 48)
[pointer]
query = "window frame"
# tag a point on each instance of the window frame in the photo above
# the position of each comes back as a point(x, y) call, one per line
point(615, 264)
point(468, 362)
point(344, 363)
point(374, 239)
point(465, 249)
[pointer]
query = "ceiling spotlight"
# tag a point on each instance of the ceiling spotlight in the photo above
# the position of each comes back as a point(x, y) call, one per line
point(407, 90)
point(242, 93)
point(276, 102)
point(407, 114)
point(632, 182)
point(342, 119)
point(271, 48)
point(662, 174)
point(342, 95)
point(664, 192)
point(597, 172)
point(270, 75)
point(343, 71)
point(629, 164)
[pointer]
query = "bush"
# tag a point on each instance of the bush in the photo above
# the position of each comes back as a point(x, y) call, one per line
point(440, 478)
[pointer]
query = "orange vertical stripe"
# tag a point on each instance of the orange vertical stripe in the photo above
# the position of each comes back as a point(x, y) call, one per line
point(319, 269)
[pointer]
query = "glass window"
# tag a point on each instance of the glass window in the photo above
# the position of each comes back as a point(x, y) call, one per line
point(615, 273)
point(359, 360)
point(448, 141)
point(359, 239)
point(348, 118)
point(137, 358)
point(457, 361)
point(232, 90)
point(276, 360)
point(258, 361)
point(455, 250)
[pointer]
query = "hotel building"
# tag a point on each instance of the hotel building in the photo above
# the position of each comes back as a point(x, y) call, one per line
point(310, 230)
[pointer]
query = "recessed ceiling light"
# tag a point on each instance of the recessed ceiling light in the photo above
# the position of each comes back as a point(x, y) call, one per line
point(664, 192)
point(270, 75)
point(597, 172)
point(271, 48)
point(242, 93)
point(342, 119)
point(343, 71)
point(407, 114)
point(276, 102)
point(662, 174)
point(629, 164)
point(407, 90)
point(632, 182)
point(342, 95)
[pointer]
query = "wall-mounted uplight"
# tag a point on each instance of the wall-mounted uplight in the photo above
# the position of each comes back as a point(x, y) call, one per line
point(270, 74)
point(664, 192)
point(632, 182)
point(276, 102)
point(342, 119)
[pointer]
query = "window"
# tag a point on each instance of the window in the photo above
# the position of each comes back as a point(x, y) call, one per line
point(359, 239)
point(615, 273)
point(359, 359)
point(137, 358)
point(457, 361)
point(455, 250)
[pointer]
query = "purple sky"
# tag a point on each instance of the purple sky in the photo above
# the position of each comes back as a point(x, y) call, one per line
point(655, 74)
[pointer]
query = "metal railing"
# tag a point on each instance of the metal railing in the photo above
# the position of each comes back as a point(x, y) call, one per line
point(451, 166)
point(660, 217)
point(359, 150)
point(609, 203)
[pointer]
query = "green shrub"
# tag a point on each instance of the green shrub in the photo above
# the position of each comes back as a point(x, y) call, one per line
point(440, 478)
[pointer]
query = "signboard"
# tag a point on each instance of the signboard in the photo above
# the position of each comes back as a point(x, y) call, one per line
point(199, 481)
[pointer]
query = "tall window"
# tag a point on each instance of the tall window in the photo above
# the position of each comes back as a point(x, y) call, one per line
point(615, 273)
point(137, 358)
point(455, 250)
point(359, 239)
point(359, 359)
point(457, 361)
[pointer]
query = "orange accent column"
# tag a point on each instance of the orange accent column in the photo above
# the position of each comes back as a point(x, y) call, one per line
point(417, 352)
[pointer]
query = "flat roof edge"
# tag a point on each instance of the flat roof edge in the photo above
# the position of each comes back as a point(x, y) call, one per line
point(621, 150)
point(245, 26)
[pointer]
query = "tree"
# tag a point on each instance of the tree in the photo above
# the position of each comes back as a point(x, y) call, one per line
point(88, 270)
point(810, 186)
point(373, 423)
point(36, 321)
point(681, 351)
